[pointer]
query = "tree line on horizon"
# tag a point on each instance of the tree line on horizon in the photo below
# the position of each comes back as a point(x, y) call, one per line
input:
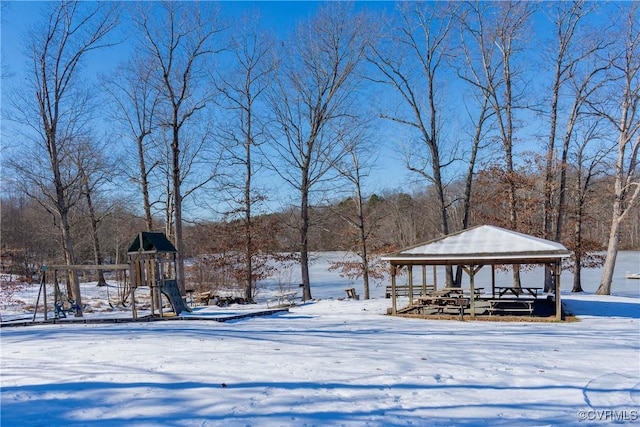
point(219, 113)
point(215, 248)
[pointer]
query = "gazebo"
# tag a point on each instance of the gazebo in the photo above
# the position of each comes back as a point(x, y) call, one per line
point(475, 248)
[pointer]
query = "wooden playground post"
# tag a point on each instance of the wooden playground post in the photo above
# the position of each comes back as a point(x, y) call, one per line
point(41, 291)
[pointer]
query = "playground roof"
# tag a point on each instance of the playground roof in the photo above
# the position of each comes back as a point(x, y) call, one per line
point(481, 245)
point(152, 242)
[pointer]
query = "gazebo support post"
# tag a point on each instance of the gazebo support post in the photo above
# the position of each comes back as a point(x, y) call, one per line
point(493, 280)
point(472, 293)
point(557, 272)
point(471, 270)
point(424, 281)
point(394, 305)
point(44, 296)
point(410, 279)
point(435, 277)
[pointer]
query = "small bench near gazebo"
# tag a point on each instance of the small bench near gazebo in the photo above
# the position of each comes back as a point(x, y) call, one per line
point(472, 249)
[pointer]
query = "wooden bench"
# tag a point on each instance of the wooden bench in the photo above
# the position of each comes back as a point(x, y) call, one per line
point(403, 290)
point(351, 293)
point(510, 305)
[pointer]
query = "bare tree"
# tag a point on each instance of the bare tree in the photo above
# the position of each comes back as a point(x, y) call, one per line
point(243, 90)
point(574, 72)
point(623, 114)
point(498, 31)
point(55, 106)
point(26, 231)
point(179, 40)
point(421, 42)
point(355, 167)
point(480, 114)
point(590, 162)
point(314, 102)
point(5, 72)
point(95, 171)
point(567, 18)
point(136, 98)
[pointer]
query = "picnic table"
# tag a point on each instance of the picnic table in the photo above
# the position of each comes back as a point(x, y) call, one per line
point(508, 299)
point(445, 298)
point(284, 299)
point(517, 292)
point(511, 305)
point(457, 292)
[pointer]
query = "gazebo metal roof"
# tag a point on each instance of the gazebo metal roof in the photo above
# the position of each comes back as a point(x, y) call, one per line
point(481, 245)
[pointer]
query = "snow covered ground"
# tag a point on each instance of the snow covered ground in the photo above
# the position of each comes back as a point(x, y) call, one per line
point(331, 362)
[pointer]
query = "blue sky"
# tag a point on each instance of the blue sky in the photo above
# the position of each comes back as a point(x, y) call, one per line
point(18, 17)
point(280, 17)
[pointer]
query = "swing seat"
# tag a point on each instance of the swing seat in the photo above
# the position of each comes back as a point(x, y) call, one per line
point(60, 311)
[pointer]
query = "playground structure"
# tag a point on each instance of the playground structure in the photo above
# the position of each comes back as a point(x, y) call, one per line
point(152, 263)
point(152, 259)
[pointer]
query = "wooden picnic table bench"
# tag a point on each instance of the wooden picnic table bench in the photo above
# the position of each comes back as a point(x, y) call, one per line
point(442, 302)
point(457, 292)
point(517, 292)
point(446, 292)
point(435, 300)
point(284, 299)
point(510, 305)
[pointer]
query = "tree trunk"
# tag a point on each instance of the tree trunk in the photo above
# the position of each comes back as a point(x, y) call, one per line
point(577, 269)
point(626, 185)
point(550, 177)
point(69, 257)
point(304, 247)
point(363, 243)
point(62, 208)
point(444, 220)
point(612, 252)
point(248, 287)
point(144, 183)
point(577, 275)
point(177, 202)
point(97, 253)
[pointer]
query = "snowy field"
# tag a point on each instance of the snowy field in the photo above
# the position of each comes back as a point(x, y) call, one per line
point(330, 362)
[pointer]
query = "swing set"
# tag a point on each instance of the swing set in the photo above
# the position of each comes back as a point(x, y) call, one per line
point(64, 304)
point(152, 260)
